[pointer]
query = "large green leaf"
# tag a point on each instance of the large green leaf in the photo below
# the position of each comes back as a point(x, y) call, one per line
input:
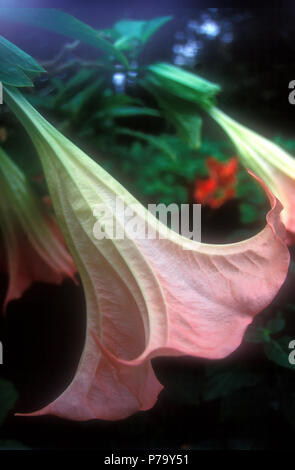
point(17, 68)
point(20, 58)
point(62, 23)
point(140, 30)
point(12, 75)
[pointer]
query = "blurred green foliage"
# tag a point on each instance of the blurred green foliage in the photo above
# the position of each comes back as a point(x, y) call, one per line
point(62, 23)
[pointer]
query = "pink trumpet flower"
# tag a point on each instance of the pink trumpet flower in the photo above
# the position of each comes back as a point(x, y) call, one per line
point(34, 250)
point(145, 297)
point(275, 166)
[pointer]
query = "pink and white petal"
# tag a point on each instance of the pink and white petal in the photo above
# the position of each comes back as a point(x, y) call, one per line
point(27, 263)
point(197, 301)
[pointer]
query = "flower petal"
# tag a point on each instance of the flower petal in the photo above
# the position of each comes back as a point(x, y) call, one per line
point(146, 298)
point(34, 246)
point(275, 166)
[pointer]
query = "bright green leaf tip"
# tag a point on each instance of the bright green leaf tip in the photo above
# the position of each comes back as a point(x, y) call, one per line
point(17, 68)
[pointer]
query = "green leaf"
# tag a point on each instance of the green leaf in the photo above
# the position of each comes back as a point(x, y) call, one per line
point(184, 116)
point(8, 397)
point(126, 43)
point(188, 126)
point(221, 382)
point(41, 101)
point(182, 84)
point(16, 66)
point(79, 100)
point(117, 106)
point(74, 85)
point(141, 30)
point(62, 23)
point(151, 139)
point(127, 111)
point(11, 75)
point(278, 351)
point(18, 57)
point(277, 324)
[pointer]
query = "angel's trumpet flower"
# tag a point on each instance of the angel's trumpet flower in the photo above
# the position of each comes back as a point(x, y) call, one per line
point(33, 244)
point(145, 297)
point(267, 160)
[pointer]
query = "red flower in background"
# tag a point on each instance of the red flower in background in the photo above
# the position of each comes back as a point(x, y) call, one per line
point(221, 184)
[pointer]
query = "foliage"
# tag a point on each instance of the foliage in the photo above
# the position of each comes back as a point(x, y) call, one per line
point(17, 68)
point(63, 23)
point(132, 35)
point(177, 92)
